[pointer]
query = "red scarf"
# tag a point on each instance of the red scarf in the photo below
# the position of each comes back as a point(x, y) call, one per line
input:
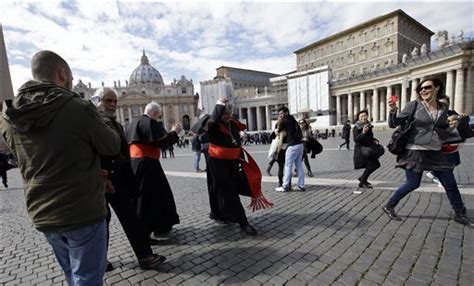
point(249, 166)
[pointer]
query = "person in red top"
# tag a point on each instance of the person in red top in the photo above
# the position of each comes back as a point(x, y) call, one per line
point(231, 171)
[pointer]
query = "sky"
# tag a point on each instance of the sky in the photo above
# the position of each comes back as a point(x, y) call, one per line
point(103, 41)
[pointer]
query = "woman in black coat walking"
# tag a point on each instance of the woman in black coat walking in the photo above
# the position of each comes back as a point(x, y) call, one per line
point(363, 136)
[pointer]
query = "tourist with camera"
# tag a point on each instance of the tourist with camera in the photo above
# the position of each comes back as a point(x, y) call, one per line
point(430, 128)
point(367, 149)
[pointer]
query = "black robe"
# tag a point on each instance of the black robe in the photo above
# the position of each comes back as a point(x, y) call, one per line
point(225, 178)
point(155, 205)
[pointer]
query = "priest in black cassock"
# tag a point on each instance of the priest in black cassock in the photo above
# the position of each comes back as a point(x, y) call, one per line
point(231, 170)
point(145, 135)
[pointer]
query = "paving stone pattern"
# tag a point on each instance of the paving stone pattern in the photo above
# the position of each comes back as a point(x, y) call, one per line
point(325, 236)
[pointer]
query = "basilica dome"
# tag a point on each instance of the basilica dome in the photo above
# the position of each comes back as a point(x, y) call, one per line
point(145, 74)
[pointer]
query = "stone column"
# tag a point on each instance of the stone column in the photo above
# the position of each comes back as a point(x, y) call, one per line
point(350, 107)
point(388, 94)
point(404, 97)
point(122, 117)
point(469, 102)
point(268, 117)
point(259, 118)
point(459, 91)
point(141, 109)
point(375, 105)
point(450, 87)
point(129, 113)
point(382, 104)
point(338, 109)
point(241, 114)
point(164, 115)
point(362, 101)
point(250, 119)
point(356, 107)
point(368, 101)
point(414, 84)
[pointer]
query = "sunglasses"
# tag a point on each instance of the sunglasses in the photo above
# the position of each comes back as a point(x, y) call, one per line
point(427, 87)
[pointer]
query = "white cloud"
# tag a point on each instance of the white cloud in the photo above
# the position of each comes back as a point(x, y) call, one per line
point(103, 41)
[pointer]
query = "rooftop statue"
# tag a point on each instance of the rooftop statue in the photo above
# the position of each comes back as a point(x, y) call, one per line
point(415, 52)
point(461, 36)
point(442, 39)
point(424, 49)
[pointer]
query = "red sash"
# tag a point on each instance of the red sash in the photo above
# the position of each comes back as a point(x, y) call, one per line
point(251, 170)
point(144, 150)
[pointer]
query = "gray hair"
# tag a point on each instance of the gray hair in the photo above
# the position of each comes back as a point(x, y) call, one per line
point(152, 107)
point(99, 94)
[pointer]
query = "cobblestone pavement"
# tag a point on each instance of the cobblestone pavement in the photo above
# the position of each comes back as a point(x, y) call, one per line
point(326, 235)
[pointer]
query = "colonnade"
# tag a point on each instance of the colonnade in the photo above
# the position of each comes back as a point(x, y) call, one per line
point(458, 86)
point(258, 118)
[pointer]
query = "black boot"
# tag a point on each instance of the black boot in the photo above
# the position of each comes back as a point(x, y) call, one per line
point(390, 211)
point(460, 217)
point(248, 230)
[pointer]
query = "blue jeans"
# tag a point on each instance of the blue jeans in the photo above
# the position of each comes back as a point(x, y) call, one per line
point(82, 253)
point(294, 155)
point(197, 159)
point(413, 181)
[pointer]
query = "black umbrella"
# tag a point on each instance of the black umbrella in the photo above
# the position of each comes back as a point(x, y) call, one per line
point(200, 124)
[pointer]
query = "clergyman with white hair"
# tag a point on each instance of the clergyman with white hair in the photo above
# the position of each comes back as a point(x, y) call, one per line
point(145, 135)
point(125, 186)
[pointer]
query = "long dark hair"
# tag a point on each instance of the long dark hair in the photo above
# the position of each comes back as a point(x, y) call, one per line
point(436, 83)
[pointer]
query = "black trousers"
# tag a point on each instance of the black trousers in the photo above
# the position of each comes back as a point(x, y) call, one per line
point(133, 227)
point(306, 162)
point(281, 166)
point(346, 142)
point(369, 169)
point(3, 174)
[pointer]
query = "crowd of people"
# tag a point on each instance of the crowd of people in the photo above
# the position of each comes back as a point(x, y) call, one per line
point(77, 161)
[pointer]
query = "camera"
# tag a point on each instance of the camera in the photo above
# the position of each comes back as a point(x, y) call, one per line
point(369, 125)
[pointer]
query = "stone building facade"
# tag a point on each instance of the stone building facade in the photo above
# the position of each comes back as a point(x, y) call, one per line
point(375, 44)
point(367, 63)
point(145, 84)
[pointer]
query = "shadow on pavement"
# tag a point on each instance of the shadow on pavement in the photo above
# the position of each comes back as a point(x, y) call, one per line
point(235, 265)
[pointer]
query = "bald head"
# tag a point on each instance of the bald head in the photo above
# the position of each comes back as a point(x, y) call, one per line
point(49, 66)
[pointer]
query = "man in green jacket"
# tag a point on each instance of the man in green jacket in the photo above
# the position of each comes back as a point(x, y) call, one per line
point(58, 138)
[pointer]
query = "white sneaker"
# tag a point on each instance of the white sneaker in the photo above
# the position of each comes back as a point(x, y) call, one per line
point(281, 189)
point(430, 175)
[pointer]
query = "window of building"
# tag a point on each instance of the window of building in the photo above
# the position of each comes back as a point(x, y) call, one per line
point(183, 90)
point(135, 111)
point(375, 50)
point(143, 92)
point(350, 56)
point(388, 45)
point(81, 94)
point(362, 54)
point(389, 27)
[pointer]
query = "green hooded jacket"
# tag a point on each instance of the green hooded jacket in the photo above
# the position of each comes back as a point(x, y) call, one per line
point(58, 139)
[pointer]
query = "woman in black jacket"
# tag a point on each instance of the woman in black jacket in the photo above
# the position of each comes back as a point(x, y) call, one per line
point(429, 129)
point(363, 136)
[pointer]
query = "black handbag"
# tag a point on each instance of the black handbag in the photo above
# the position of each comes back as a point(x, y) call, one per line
point(373, 151)
point(399, 138)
